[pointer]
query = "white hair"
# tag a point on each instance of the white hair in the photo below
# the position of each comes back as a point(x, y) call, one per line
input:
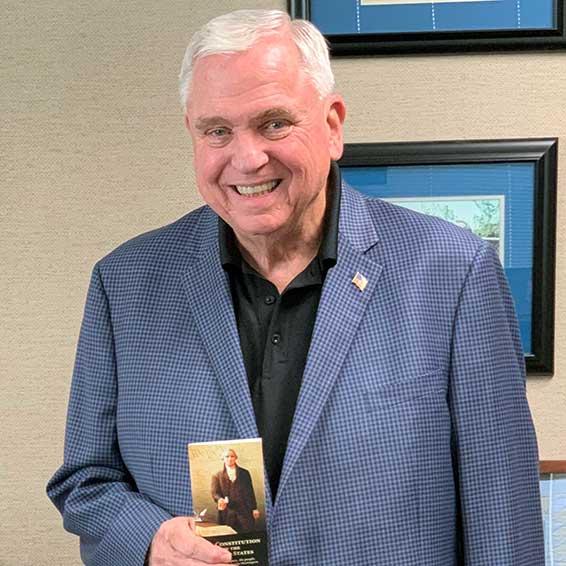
point(238, 31)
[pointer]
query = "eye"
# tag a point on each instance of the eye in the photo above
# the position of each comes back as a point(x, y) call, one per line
point(276, 128)
point(217, 136)
point(217, 132)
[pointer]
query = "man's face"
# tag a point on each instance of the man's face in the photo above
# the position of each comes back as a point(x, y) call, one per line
point(230, 458)
point(263, 139)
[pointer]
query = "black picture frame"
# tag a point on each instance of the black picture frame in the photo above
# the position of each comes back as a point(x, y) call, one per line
point(442, 41)
point(542, 153)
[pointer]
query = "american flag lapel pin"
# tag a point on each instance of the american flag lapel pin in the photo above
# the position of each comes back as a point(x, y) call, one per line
point(360, 281)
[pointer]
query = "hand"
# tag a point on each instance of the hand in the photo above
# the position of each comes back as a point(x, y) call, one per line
point(177, 544)
point(255, 514)
point(222, 504)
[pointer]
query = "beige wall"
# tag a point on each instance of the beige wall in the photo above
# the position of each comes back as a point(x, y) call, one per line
point(93, 151)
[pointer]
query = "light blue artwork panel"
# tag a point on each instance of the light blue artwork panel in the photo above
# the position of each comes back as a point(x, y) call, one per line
point(553, 499)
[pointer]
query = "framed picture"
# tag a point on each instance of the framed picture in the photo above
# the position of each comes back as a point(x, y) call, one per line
point(504, 191)
point(369, 27)
point(553, 499)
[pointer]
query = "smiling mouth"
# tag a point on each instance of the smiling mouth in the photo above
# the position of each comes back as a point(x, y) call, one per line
point(257, 190)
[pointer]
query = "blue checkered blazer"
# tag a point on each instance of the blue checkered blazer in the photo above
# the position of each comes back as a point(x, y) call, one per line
point(412, 442)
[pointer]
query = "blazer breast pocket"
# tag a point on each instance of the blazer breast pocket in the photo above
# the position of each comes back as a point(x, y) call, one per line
point(431, 384)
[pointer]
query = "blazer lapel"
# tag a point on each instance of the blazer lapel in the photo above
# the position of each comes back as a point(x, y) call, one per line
point(342, 306)
point(208, 290)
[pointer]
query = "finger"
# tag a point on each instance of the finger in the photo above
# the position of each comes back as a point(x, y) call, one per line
point(210, 553)
point(190, 545)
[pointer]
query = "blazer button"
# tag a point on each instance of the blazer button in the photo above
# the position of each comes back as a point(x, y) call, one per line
point(275, 339)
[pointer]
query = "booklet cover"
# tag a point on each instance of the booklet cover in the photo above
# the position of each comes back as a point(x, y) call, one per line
point(227, 482)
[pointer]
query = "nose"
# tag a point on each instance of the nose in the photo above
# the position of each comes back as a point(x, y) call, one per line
point(249, 153)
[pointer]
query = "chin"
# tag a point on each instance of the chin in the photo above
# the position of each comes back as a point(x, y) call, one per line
point(258, 228)
point(265, 231)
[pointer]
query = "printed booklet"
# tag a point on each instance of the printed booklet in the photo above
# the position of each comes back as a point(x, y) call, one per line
point(227, 482)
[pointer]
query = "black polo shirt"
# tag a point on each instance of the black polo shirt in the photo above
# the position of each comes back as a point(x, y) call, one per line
point(275, 330)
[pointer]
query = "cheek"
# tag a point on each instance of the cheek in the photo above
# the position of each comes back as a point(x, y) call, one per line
point(311, 147)
point(208, 165)
point(205, 177)
point(297, 157)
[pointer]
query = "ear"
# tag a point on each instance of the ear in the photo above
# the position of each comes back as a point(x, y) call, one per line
point(335, 116)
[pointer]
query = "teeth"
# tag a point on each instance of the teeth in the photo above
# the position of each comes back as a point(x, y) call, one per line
point(257, 189)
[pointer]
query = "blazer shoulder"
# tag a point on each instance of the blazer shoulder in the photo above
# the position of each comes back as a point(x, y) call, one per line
point(403, 229)
point(183, 237)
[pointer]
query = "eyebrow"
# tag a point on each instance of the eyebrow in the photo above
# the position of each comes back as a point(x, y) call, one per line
point(204, 123)
point(272, 114)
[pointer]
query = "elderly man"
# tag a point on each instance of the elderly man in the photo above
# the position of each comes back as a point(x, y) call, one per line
point(375, 350)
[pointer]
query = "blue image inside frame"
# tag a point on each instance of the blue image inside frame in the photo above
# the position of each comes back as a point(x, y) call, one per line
point(346, 17)
point(514, 182)
point(553, 499)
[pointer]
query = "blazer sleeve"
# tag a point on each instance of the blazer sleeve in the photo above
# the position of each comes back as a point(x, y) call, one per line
point(494, 443)
point(93, 489)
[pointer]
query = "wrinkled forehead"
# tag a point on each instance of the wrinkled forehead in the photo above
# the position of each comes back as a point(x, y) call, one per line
point(269, 61)
point(275, 48)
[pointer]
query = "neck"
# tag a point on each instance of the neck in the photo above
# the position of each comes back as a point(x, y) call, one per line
point(281, 256)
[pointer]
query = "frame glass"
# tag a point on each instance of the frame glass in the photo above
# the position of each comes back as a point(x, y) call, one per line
point(553, 500)
point(369, 27)
point(504, 191)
